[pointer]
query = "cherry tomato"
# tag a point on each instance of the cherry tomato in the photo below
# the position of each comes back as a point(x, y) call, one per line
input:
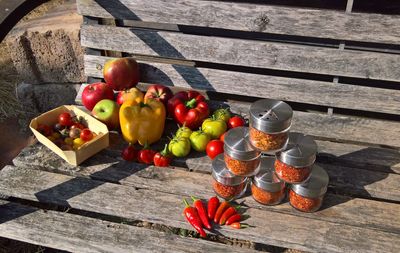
point(77, 143)
point(146, 156)
point(236, 121)
point(214, 148)
point(75, 133)
point(65, 119)
point(129, 153)
point(78, 125)
point(86, 134)
point(163, 158)
point(44, 129)
point(222, 137)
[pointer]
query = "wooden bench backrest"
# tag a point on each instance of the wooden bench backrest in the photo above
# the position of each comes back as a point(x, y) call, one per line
point(314, 59)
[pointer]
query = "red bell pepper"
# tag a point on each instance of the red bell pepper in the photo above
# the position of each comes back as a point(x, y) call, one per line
point(163, 158)
point(193, 218)
point(202, 212)
point(189, 108)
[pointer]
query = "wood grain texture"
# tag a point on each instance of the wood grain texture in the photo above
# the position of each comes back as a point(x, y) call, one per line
point(261, 54)
point(176, 180)
point(127, 202)
point(281, 88)
point(82, 234)
point(250, 17)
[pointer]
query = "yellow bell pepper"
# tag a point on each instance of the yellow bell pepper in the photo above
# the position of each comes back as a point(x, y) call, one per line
point(142, 122)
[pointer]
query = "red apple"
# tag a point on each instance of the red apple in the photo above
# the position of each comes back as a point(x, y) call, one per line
point(131, 94)
point(95, 92)
point(159, 92)
point(107, 111)
point(121, 73)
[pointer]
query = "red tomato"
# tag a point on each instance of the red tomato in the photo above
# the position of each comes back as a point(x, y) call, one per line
point(129, 153)
point(65, 119)
point(146, 156)
point(214, 148)
point(236, 121)
point(161, 161)
point(44, 129)
point(78, 125)
point(86, 134)
point(222, 137)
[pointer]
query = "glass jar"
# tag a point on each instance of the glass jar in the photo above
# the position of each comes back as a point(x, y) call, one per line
point(308, 197)
point(241, 158)
point(270, 122)
point(225, 184)
point(294, 163)
point(266, 187)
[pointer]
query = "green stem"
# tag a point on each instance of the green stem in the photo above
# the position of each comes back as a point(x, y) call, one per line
point(165, 151)
point(186, 203)
point(191, 103)
point(194, 198)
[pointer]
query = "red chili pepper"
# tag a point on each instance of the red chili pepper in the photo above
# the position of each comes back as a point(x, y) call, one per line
point(227, 214)
point(239, 225)
point(188, 108)
point(146, 155)
point(212, 206)
point(224, 205)
point(193, 218)
point(202, 212)
point(234, 218)
point(163, 158)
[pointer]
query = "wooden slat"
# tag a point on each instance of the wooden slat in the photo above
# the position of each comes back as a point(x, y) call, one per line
point(282, 229)
point(105, 168)
point(281, 88)
point(82, 234)
point(249, 17)
point(262, 54)
point(347, 180)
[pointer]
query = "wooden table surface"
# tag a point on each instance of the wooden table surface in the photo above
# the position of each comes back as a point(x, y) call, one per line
point(102, 204)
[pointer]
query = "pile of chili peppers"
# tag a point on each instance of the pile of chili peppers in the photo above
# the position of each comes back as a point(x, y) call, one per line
point(221, 213)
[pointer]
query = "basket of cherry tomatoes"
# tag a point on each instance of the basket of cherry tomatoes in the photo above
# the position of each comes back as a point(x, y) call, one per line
point(71, 133)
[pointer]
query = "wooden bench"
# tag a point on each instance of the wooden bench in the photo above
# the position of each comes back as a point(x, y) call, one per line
point(340, 72)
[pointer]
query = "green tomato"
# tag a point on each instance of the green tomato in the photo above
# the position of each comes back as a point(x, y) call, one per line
point(179, 146)
point(214, 127)
point(223, 114)
point(199, 140)
point(184, 132)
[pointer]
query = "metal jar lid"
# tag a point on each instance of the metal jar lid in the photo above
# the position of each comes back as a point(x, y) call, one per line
point(315, 186)
point(301, 151)
point(266, 178)
point(237, 144)
point(270, 116)
point(222, 174)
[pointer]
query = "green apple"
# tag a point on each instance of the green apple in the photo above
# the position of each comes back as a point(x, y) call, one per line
point(199, 140)
point(107, 111)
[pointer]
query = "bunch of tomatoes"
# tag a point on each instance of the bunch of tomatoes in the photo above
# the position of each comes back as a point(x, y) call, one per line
point(209, 138)
point(68, 133)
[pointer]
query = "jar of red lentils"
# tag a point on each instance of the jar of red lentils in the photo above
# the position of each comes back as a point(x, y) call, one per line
point(294, 163)
point(270, 122)
point(266, 187)
point(308, 197)
point(225, 184)
point(241, 158)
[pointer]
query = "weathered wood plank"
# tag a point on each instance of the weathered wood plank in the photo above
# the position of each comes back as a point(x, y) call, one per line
point(163, 208)
point(344, 179)
point(281, 88)
point(178, 181)
point(82, 234)
point(249, 17)
point(338, 127)
point(261, 54)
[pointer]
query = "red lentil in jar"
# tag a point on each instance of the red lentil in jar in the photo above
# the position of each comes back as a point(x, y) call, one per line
point(225, 184)
point(308, 197)
point(270, 122)
point(294, 163)
point(241, 158)
point(266, 187)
